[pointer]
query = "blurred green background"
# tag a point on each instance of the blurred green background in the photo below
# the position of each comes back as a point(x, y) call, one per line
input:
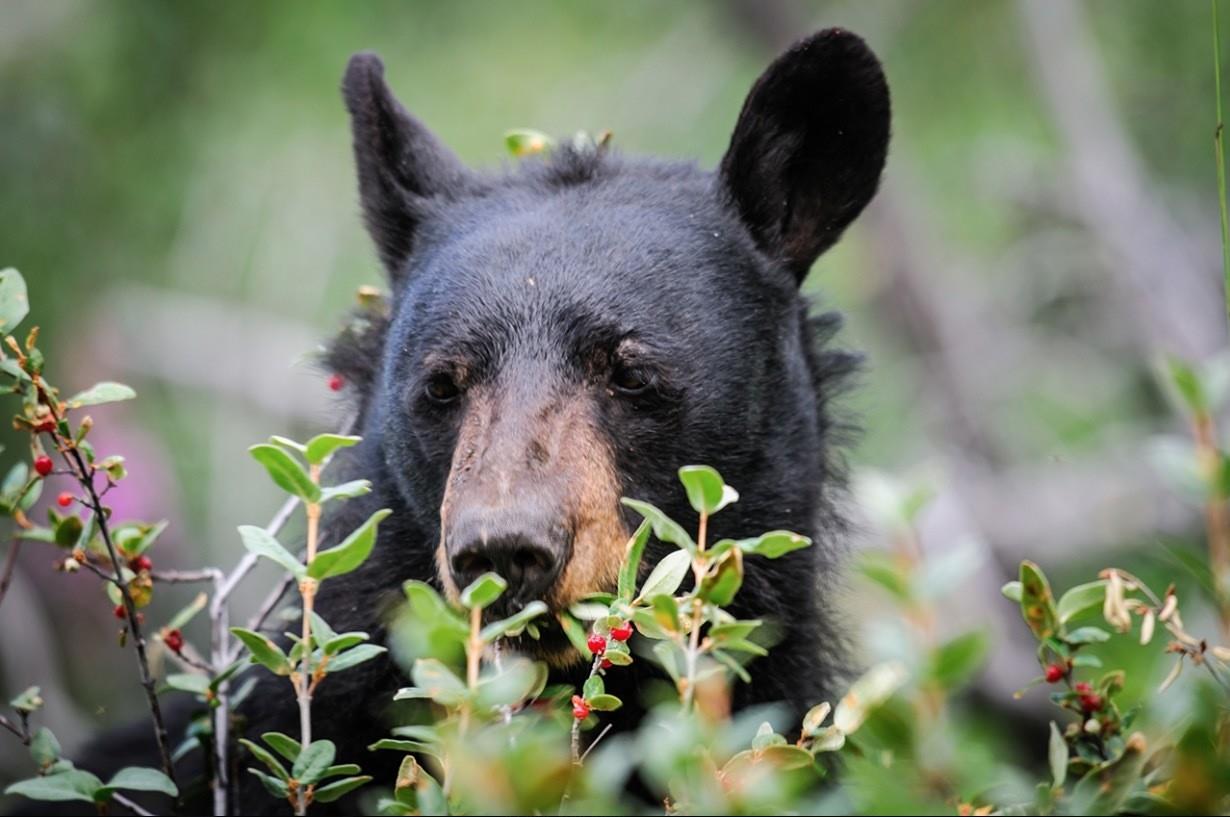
point(176, 186)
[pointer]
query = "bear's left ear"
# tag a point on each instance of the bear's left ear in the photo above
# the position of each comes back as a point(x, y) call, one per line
point(401, 164)
point(809, 146)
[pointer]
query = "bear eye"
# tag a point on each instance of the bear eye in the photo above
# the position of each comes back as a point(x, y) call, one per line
point(442, 388)
point(631, 380)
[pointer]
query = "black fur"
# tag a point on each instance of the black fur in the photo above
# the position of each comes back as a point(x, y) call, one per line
point(532, 274)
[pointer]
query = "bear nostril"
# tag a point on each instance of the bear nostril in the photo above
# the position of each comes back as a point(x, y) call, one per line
point(470, 564)
point(528, 567)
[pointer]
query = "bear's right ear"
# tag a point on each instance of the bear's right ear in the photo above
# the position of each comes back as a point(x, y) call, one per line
point(401, 165)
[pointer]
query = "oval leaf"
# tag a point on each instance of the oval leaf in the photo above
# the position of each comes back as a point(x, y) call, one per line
point(286, 472)
point(259, 541)
point(100, 393)
point(322, 446)
point(350, 553)
point(667, 575)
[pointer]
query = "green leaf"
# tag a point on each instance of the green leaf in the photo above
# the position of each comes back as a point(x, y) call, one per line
point(1037, 602)
point(283, 744)
point(513, 624)
point(1012, 591)
point(720, 586)
point(1087, 635)
point(193, 682)
point(351, 553)
point(866, 694)
point(322, 446)
point(732, 631)
point(30, 700)
point(593, 686)
point(180, 619)
point(1057, 754)
point(73, 784)
point(277, 788)
point(953, 663)
point(666, 611)
point(259, 541)
point(265, 756)
point(879, 569)
point(264, 652)
point(14, 301)
point(523, 142)
point(707, 492)
point(1086, 659)
point(483, 591)
point(439, 682)
point(665, 528)
point(347, 769)
point(766, 737)
point(773, 544)
point(787, 758)
point(343, 642)
point(576, 633)
point(632, 561)
point(289, 444)
point(512, 685)
point(1105, 788)
point(1081, 598)
point(667, 574)
point(312, 761)
point(346, 490)
point(1187, 386)
point(100, 393)
point(286, 472)
point(139, 778)
point(604, 703)
point(334, 790)
point(353, 657)
point(44, 748)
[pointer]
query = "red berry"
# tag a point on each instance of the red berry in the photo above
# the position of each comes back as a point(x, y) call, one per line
point(1055, 673)
point(141, 563)
point(120, 612)
point(45, 427)
point(622, 632)
point(1082, 688)
point(1091, 703)
point(596, 644)
point(336, 382)
point(580, 709)
point(174, 640)
point(64, 500)
point(606, 663)
point(43, 465)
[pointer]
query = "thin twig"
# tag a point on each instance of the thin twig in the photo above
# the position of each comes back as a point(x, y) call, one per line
point(591, 746)
point(10, 566)
point(130, 805)
point(84, 475)
point(1218, 132)
point(208, 574)
point(23, 733)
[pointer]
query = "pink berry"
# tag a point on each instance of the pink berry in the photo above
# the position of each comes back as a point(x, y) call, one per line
point(622, 631)
point(580, 709)
point(336, 382)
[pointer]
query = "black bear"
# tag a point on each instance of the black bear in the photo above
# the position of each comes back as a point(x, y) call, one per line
point(572, 330)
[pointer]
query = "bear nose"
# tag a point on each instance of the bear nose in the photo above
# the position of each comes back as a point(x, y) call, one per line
point(524, 553)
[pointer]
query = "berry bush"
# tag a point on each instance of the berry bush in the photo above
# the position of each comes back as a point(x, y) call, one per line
point(490, 735)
